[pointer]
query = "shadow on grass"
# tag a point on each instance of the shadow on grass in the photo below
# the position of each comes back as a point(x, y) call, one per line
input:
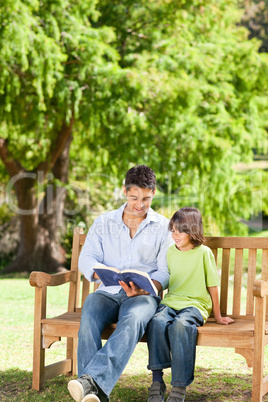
point(15, 385)
point(208, 386)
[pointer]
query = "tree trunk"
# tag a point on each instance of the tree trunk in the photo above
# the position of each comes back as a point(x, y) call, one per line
point(39, 247)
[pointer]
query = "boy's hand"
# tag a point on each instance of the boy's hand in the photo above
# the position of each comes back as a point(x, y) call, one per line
point(133, 290)
point(224, 320)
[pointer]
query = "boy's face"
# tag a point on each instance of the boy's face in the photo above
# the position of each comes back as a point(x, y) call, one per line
point(181, 239)
point(139, 200)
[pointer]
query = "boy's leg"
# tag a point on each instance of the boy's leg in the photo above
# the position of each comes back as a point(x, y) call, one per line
point(182, 335)
point(108, 363)
point(158, 376)
point(159, 351)
point(157, 338)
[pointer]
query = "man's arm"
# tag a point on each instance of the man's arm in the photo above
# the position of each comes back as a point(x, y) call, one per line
point(92, 252)
point(161, 275)
point(214, 294)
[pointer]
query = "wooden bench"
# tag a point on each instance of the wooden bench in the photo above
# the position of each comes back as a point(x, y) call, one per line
point(248, 335)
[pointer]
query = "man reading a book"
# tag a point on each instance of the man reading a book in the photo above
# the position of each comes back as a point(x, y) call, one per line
point(131, 237)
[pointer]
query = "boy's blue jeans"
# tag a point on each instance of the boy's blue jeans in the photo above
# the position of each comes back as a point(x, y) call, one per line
point(106, 364)
point(171, 338)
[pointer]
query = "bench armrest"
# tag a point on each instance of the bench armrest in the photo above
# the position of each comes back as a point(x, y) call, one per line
point(260, 288)
point(39, 279)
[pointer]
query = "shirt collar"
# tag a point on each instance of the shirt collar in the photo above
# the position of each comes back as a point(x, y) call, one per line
point(152, 216)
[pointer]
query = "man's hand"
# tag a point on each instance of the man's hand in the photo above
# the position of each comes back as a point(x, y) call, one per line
point(132, 290)
point(95, 276)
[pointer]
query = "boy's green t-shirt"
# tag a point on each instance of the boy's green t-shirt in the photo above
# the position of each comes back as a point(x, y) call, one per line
point(191, 273)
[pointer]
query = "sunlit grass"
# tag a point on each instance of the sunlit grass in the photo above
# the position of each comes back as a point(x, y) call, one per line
point(221, 375)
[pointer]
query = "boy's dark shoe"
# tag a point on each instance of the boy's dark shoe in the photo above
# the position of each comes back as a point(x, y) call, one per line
point(157, 392)
point(84, 389)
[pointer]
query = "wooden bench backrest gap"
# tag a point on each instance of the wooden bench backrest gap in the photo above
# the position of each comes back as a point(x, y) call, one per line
point(245, 248)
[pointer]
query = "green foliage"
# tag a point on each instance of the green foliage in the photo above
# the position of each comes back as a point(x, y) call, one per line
point(190, 101)
point(48, 53)
point(173, 84)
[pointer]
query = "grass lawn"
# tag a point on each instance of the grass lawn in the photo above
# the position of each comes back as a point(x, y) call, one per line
point(221, 375)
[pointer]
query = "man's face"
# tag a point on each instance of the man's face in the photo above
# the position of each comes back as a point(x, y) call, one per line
point(138, 200)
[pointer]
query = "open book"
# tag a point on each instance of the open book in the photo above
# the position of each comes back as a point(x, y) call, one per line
point(111, 276)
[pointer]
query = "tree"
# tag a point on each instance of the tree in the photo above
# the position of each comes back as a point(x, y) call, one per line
point(198, 103)
point(49, 51)
point(255, 19)
point(167, 83)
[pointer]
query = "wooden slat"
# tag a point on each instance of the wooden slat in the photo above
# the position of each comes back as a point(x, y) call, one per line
point(225, 280)
point(85, 292)
point(58, 368)
point(82, 239)
point(215, 253)
point(238, 271)
point(71, 317)
point(96, 285)
point(264, 275)
point(234, 341)
point(237, 242)
point(265, 385)
point(74, 286)
point(264, 272)
point(64, 329)
point(78, 286)
point(252, 259)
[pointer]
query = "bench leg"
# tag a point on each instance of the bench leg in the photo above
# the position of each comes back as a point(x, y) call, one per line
point(38, 351)
point(72, 354)
point(38, 369)
point(258, 360)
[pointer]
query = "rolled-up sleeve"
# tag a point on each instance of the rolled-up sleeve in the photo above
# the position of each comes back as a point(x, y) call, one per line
point(92, 251)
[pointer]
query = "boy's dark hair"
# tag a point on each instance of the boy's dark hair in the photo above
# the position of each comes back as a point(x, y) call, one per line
point(188, 220)
point(141, 176)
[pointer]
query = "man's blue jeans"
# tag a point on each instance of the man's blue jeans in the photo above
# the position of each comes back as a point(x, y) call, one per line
point(171, 338)
point(106, 364)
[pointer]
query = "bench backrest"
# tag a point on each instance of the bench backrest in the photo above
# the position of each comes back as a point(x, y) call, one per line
point(239, 260)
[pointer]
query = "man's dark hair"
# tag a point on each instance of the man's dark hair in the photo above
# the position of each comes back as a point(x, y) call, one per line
point(140, 176)
point(188, 220)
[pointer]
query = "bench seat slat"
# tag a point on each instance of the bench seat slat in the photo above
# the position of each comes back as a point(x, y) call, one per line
point(245, 325)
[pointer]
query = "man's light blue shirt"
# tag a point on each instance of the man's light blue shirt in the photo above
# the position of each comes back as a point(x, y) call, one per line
point(108, 242)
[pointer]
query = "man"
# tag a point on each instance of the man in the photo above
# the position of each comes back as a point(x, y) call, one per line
point(133, 236)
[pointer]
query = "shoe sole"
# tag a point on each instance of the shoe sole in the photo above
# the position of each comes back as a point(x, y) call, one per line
point(90, 398)
point(76, 390)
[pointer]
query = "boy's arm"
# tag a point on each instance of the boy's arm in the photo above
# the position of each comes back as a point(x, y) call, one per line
point(214, 294)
